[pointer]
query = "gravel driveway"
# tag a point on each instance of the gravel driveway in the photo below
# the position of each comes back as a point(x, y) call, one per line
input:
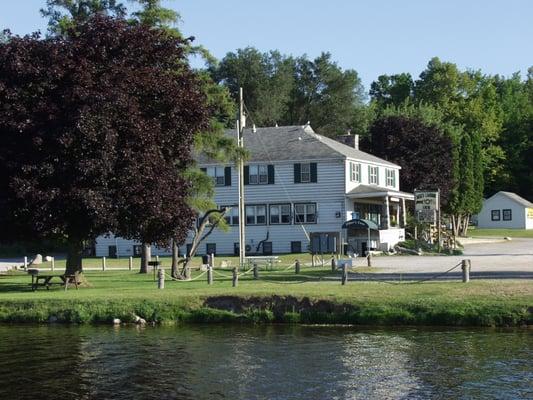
point(502, 259)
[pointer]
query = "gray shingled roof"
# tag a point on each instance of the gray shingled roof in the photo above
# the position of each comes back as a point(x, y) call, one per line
point(297, 143)
point(516, 198)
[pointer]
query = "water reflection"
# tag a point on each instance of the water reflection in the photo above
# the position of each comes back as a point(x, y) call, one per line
point(262, 362)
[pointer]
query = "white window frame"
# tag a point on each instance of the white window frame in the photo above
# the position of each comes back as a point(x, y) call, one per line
point(390, 177)
point(306, 213)
point(355, 172)
point(258, 174)
point(305, 173)
point(507, 214)
point(280, 214)
point(373, 175)
point(217, 174)
point(255, 211)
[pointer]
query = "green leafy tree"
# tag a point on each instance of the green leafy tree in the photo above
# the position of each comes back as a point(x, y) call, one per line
point(64, 14)
point(325, 95)
point(101, 141)
point(392, 89)
point(266, 78)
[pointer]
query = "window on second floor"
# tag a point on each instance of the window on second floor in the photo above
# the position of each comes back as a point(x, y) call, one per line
point(305, 213)
point(305, 173)
point(280, 214)
point(391, 177)
point(355, 172)
point(217, 173)
point(373, 175)
point(256, 214)
point(221, 175)
point(258, 175)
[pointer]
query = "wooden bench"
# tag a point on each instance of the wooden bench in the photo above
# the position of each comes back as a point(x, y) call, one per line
point(40, 279)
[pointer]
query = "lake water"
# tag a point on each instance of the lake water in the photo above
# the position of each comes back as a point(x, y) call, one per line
point(263, 362)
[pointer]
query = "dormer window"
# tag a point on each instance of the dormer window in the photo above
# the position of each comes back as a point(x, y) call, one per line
point(373, 175)
point(391, 177)
point(355, 172)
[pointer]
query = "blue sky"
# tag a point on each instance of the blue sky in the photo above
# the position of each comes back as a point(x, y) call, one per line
point(372, 37)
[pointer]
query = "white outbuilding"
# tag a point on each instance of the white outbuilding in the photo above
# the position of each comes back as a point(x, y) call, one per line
point(506, 210)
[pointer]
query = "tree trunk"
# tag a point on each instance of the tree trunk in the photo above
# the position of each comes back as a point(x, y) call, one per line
point(464, 227)
point(175, 260)
point(74, 257)
point(146, 255)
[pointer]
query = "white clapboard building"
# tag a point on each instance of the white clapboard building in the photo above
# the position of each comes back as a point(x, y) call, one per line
point(302, 190)
point(506, 210)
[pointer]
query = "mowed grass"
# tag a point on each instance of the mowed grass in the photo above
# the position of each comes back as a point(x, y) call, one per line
point(514, 233)
point(122, 294)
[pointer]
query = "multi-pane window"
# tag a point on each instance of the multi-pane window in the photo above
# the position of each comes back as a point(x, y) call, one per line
point(232, 216)
point(391, 177)
point(495, 215)
point(355, 172)
point(255, 215)
point(373, 175)
point(305, 173)
point(217, 173)
point(305, 213)
point(280, 214)
point(258, 175)
point(507, 214)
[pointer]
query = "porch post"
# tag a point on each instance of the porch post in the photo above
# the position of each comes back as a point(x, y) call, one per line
point(398, 215)
point(387, 211)
point(404, 214)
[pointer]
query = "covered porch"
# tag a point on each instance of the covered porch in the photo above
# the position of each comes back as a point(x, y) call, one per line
point(384, 212)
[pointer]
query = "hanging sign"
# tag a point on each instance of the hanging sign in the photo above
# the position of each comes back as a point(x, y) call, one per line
point(427, 204)
point(425, 200)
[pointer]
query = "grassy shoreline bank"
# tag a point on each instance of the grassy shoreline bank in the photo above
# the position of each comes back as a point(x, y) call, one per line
point(318, 312)
point(278, 296)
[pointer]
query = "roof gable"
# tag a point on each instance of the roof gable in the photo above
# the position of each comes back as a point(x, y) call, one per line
point(514, 197)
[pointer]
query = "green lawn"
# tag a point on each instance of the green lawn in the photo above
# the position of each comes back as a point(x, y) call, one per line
point(121, 294)
point(513, 233)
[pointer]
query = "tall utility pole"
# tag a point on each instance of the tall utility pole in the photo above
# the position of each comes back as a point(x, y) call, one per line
point(241, 123)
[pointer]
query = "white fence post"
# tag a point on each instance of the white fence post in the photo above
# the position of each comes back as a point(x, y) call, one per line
point(130, 265)
point(103, 264)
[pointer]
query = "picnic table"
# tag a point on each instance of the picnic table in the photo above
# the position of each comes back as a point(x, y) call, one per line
point(42, 279)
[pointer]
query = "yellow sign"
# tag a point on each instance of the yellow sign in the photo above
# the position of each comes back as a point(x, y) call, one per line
point(530, 213)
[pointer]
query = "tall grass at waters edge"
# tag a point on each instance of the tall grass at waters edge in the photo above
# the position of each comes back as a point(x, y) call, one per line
point(359, 313)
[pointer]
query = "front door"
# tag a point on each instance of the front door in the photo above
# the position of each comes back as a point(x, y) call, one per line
point(112, 251)
point(364, 248)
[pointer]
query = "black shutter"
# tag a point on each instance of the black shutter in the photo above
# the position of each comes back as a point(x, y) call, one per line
point(227, 176)
point(204, 170)
point(313, 172)
point(246, 174)
point(271, 174)
point(297, 175)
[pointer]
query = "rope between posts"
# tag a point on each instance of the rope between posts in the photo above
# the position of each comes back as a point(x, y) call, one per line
point(185, 280)
point(411, 282)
